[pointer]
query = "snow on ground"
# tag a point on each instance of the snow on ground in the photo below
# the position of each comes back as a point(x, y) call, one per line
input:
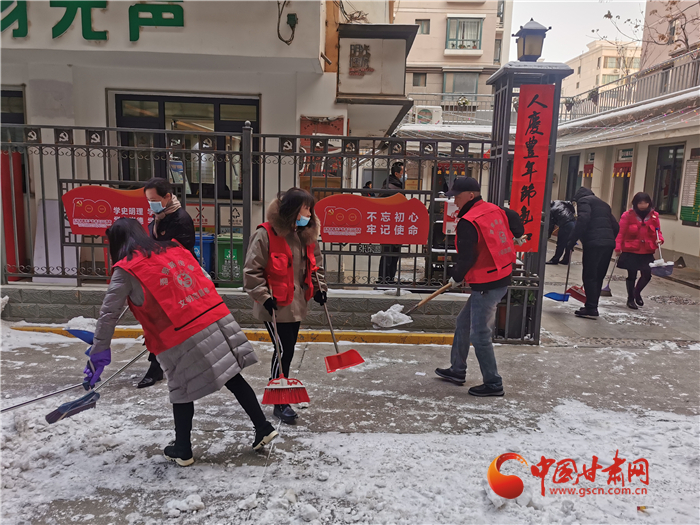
point(112, 467)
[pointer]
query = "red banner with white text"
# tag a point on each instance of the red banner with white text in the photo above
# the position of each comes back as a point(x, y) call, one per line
point(535, 112)
point(357, 219)
point(93, 209)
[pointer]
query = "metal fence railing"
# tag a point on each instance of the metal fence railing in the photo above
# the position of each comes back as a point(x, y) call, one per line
point(226, 182)
point(454, 108)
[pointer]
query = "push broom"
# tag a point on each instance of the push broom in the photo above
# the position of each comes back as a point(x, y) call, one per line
point(283, 390)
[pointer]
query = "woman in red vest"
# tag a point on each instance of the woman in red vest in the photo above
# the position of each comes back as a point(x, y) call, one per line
point(635, 245)
point(282, 261)
point(186, 325)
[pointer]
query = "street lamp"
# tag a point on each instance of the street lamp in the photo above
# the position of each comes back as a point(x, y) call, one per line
point(530, 41)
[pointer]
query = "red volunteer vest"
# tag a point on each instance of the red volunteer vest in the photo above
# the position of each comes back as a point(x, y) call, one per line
point(496, 252)
point(279, 271)
point(179, 300)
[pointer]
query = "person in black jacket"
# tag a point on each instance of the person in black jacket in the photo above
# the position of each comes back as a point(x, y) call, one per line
point(562, 214)
point(388, 263)
point(170, 222)
point(597, 229)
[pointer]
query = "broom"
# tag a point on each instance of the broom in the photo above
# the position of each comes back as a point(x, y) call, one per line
point(282, 390)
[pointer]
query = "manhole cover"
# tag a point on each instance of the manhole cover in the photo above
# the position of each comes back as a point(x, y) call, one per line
point(674, 299)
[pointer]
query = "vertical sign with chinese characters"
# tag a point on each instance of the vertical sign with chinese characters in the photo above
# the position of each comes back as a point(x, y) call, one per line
point(531, 155)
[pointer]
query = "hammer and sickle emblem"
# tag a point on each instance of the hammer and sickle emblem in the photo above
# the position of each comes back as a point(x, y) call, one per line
point(397, 148)
point(428, 148)
point(32, 135)
point(460, 150)
point(319, 144)
point(63, 137)
point(206, 143)
point(350, 147)
point(287, 146)
point(95, 138)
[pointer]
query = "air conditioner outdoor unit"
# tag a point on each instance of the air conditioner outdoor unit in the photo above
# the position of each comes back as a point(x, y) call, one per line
point(427, 115)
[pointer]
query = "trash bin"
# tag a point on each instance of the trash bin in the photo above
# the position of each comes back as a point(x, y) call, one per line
point(230, 263)
point(206, 257)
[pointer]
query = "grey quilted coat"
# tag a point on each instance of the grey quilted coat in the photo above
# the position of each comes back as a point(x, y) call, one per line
point(195, 368)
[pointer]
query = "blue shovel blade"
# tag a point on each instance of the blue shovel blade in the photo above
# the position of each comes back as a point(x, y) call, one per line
point(83, 335)
point(562, 297)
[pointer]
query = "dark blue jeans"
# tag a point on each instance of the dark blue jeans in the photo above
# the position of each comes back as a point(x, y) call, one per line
point(475, 325)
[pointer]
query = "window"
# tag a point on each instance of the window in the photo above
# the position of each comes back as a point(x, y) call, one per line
point(461, 82)
point(598, 65)
point(636, 63)
point(497, 51)
point(597, 80)
point(419, 79)
point(610, 78)
point(668, 179)
point(674, 30)
point(463, 33)
point(577, 83)
point(423, 27)
point(612, 62)
point(579, 70)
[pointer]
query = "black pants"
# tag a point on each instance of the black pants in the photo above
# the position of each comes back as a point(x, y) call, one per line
point(184, 412)
point(595, 267)
point(565, 232)
point(388, 263)
point(288, 333)
point(644, 278)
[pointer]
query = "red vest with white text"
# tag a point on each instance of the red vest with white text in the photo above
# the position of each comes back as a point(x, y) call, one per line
point(179, 299)
point(279, 271)
point(496, 252)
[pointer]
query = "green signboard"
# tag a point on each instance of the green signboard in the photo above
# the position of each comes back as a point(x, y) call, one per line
point(690, 199)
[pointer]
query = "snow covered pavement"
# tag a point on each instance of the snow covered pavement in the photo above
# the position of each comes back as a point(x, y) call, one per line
point(379, 443)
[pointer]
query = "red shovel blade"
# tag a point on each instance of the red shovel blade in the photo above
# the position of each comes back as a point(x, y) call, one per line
point(578, 293)
point(343, 360)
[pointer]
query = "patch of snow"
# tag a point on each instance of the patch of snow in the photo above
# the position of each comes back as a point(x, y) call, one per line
point(82, 323)
point(391, 317)
point(4, 302)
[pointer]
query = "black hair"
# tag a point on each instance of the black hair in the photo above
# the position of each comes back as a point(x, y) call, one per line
point(291, 202)
point(642, 197)
point(127, 236)
point(161, 185)
point(396, 168)
point(368, 184)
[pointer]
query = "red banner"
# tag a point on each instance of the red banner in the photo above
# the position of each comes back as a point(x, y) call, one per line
point(93, 209)
point(357, 219)
point(531, 154)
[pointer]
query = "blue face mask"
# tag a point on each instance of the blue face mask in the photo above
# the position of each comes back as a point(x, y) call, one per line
point(303, 221)
point(156, 206)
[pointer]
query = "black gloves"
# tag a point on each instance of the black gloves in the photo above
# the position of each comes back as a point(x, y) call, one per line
point(320, 297)
point(270, 304)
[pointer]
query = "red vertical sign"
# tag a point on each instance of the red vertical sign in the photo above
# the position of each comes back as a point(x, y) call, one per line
point(535, 111)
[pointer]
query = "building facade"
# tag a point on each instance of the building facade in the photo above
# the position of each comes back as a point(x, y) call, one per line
point(602, 64)
point(458, 45)
point(671, 29)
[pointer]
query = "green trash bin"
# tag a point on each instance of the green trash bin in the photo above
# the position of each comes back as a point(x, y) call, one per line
point(230, 262)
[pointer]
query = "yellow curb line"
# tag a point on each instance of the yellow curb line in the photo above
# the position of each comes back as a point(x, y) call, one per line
point(305, 336)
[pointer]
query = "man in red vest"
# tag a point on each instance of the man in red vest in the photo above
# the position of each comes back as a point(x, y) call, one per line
point(485, 260)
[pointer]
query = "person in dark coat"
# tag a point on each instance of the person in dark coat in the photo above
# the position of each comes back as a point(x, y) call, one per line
point(562, 214)
point(368, 186)
point(388, 263)
point(597, 229)
point(170, 222)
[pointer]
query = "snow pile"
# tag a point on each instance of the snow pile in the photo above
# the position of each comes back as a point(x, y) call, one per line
point(658, 263)
point(174, 508)
point(392, 317)
point(402, 291)
point(82, 323)
point(4, 302)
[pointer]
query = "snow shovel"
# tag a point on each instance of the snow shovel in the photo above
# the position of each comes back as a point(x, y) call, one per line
point(606, 292)
point(340, 360)
point(89, 400)
point(420, 303)
point(659, 267)
point(562, 297)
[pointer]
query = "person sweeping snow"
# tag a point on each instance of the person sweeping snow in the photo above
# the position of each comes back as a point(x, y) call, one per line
point(485, 257)
point(186, 325)
point(284, 255)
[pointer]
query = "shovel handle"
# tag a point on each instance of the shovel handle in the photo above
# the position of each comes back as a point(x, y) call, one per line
point(568, 269)
point(328, 316)
point(430, 297)
point(41, 398)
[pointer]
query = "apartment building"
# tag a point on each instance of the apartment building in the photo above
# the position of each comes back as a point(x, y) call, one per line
point(458, 46)
point(671, 29)
point(602, 64)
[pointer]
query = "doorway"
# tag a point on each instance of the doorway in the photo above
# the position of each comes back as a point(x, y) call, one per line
point(573, 178)
point(669, 166)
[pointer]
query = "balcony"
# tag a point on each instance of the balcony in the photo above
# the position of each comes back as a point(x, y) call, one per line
point(669, 77)
point(455, 108)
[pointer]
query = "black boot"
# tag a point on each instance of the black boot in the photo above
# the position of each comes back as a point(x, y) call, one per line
point(264, 435)
point(285, 413)
point(638, 297)
point(180, 454)
point(154, 374)
point(630, 294)
point(553, 260)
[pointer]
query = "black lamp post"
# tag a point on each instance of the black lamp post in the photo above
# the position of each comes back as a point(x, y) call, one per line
point(530, 40)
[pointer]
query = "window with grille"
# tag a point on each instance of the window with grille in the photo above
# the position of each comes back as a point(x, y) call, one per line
point(612, 62)
point(423, 26)
point(419, 79)
point(610, 78)
point(464, 33)
point(497, 51)
point(461, 82)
